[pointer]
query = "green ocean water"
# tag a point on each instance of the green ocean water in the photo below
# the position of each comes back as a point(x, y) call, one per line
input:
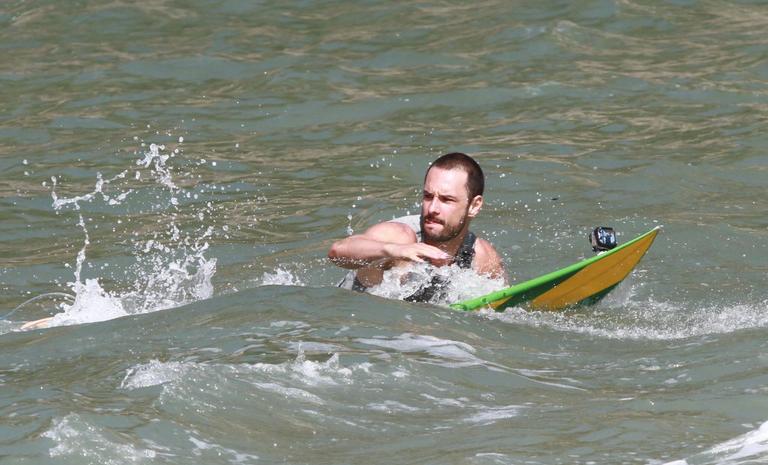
point(202, 324)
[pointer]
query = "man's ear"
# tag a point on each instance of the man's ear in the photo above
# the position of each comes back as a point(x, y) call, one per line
point(475, 205)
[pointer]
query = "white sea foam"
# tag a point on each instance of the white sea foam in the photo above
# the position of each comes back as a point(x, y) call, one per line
point(308, 372)
point(392, 407)
point(751, 447)
point(446, 401)
point(453, 351)
point(399, 283)
point(289, 392)
point(74, 436)
point(299, 371)
point(488, 415)
point(281, 277)
point(155, 373)
point(290, 380)
point(492, 458)
point(316, 347)
point(203, 448)
point(646, 320)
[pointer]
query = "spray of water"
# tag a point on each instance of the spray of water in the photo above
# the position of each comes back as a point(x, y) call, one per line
point(170, 267)
point(455, 284)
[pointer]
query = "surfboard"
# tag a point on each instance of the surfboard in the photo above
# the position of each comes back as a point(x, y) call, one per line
point(582, 283)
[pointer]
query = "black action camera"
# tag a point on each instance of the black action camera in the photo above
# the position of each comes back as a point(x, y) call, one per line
point(603, 238)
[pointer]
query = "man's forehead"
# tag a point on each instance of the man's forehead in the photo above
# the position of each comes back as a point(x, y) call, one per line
point(453, 181)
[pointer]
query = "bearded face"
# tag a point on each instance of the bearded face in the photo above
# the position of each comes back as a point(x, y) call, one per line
point(445, 205)
point(438, 230)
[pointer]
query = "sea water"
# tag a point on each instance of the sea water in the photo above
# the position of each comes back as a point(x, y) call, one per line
point(172, 176)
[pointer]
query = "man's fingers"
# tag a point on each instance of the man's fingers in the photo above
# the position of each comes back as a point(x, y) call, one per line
point(438, 254)
point(421, 253)
point(433, 253)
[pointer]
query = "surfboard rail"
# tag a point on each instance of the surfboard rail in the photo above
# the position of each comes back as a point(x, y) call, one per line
point(580, 283)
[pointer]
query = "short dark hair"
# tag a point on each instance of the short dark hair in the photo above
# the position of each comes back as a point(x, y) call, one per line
point(462, 161)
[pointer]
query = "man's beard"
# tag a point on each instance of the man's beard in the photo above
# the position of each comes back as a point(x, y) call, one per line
point(448, 232)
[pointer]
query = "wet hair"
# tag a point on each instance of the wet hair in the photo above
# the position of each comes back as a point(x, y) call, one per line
point(462, 161)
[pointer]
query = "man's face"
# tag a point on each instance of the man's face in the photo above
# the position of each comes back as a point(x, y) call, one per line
point(445, 205)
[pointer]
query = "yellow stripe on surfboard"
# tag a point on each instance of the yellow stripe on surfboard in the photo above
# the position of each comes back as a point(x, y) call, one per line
point(595, 278)
point(584, 282)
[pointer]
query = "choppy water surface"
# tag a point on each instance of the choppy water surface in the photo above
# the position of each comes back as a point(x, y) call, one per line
point(173, 175)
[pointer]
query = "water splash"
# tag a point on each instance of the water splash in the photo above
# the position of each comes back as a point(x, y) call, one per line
point(160, 170)
point(170, 267)
point(461, 284)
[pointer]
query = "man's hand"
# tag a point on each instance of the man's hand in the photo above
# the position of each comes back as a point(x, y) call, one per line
point(418, 252)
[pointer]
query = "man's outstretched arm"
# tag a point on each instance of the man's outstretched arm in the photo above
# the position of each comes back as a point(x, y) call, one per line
point(380, 246)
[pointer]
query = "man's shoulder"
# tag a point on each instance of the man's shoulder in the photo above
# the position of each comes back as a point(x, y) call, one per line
point(485, 248)
point(412, 221)
point(488, 260)
point(392, 231)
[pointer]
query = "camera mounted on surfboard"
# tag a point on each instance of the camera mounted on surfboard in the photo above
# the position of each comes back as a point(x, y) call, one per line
point(582, 283)
point(603, 238)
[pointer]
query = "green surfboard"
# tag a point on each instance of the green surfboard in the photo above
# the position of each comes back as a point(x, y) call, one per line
point(582, 283)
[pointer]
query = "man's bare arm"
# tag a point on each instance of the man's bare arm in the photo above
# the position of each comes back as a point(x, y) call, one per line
point(381, 245)
point(488, 262)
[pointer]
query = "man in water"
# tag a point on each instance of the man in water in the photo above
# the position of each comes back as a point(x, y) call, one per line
point(452, 197)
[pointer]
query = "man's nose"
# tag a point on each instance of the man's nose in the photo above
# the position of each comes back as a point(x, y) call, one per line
point(433, 206)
